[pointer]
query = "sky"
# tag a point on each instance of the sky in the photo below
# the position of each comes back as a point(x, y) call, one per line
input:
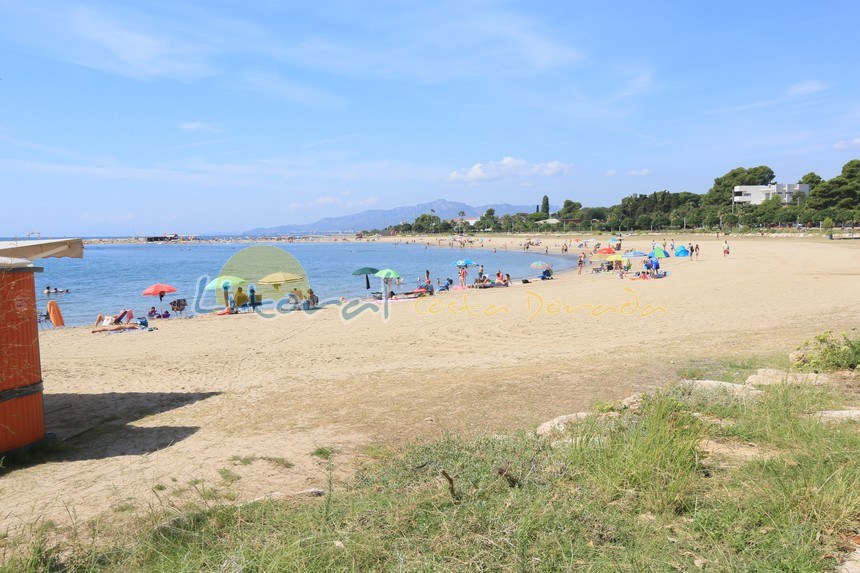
point(129, 118)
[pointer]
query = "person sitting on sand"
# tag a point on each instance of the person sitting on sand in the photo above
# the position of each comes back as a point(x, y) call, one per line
point(313, 299)
point(153, 313)
point(241, 297)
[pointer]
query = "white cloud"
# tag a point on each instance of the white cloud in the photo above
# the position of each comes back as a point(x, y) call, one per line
point(509, 167)
point(199, 126)
point(611, 172)
point(638, 172)
point(806, 87)
point(843, 144)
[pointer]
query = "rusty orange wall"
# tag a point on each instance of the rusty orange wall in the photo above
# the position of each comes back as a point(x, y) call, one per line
point(22, 418)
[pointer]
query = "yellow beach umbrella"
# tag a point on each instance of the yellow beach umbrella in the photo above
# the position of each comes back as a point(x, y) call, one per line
point(279, 278)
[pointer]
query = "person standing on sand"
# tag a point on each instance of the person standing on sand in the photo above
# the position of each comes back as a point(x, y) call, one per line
point(580, 262)
point(481, 272)
point(697, 251)
point(725, 249)
point(463, 272)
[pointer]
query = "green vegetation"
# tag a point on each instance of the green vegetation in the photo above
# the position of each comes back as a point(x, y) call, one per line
point(248, 460)
point(635, 490)
point(833, 200)
point(827, 352)
point(323, 452)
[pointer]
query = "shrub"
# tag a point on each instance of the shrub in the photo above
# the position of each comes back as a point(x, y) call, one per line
point(828, 352)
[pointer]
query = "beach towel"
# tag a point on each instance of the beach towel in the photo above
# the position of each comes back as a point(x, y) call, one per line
point(54, 314)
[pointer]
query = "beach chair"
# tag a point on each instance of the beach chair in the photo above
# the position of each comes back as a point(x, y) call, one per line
point(178, 306)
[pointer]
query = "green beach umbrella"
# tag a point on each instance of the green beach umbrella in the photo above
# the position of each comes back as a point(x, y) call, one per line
point(366, 271)
point(224, 282)
point(386, 275)
point(220, 282)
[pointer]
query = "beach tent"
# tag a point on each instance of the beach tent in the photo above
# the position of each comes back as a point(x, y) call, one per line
point(682, 252)
point(658, 253)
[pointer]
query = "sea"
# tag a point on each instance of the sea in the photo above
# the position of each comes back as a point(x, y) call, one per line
point(111, 277)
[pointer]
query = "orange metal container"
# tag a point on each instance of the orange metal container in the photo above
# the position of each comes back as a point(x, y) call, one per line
point(22, 417)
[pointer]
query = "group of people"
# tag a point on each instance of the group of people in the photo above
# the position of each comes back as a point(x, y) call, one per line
point(500, 279)
point(48, 290)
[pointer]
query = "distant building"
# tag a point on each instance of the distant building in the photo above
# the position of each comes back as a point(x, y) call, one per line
point(758, 194)
point(468, 220)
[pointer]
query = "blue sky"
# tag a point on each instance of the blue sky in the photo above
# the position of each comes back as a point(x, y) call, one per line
point(147, 117)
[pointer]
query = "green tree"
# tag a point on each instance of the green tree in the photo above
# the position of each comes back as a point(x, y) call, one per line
point(488, 221)
point(544, 206)
point(721, 192)
point(812, 179)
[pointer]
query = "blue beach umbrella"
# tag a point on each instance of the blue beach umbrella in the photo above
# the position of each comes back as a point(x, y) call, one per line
point(464, 263)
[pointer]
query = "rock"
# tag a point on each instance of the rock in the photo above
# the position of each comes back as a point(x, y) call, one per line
point(561, 423)
point(633, 402)
point(852, 564)
point(741, 390)
point(797, 358)
point(838, 415)
point(767, 376)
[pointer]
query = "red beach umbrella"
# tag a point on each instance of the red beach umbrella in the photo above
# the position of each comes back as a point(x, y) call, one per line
point(606, 251)
point(159, 290)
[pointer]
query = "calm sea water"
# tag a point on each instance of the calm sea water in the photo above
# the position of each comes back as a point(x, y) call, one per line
point(111, 277)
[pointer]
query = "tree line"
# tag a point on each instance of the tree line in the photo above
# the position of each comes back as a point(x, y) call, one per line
point(830, 202)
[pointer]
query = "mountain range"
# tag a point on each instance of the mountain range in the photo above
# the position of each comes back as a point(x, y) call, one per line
point(381, 218)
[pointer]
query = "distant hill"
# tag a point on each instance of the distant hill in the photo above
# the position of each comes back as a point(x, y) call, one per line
point(380, 218)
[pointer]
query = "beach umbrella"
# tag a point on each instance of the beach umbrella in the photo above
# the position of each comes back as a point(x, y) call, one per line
point(540, 265)
point(606, 251)
point(634, 254)
point(614, 258)
point(224, 282)
point(279, 278)
point(159, 290)
point(386, 275)
point(614, 240)
point(464, 263)
point(366, 271)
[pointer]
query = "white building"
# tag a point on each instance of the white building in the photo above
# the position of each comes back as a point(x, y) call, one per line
point(758, 194)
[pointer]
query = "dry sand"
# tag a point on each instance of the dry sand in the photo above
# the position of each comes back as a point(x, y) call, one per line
point(150, 417)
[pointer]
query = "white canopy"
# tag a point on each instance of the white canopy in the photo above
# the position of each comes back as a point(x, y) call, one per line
point(57, 248)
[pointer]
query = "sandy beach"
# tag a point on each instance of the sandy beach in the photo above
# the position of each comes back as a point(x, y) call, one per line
point(151, 417)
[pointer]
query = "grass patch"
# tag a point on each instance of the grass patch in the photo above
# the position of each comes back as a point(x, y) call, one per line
point(626, 491)
point(324, 452)
point(736, 369)
point(229, 476)
point(274, 460)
